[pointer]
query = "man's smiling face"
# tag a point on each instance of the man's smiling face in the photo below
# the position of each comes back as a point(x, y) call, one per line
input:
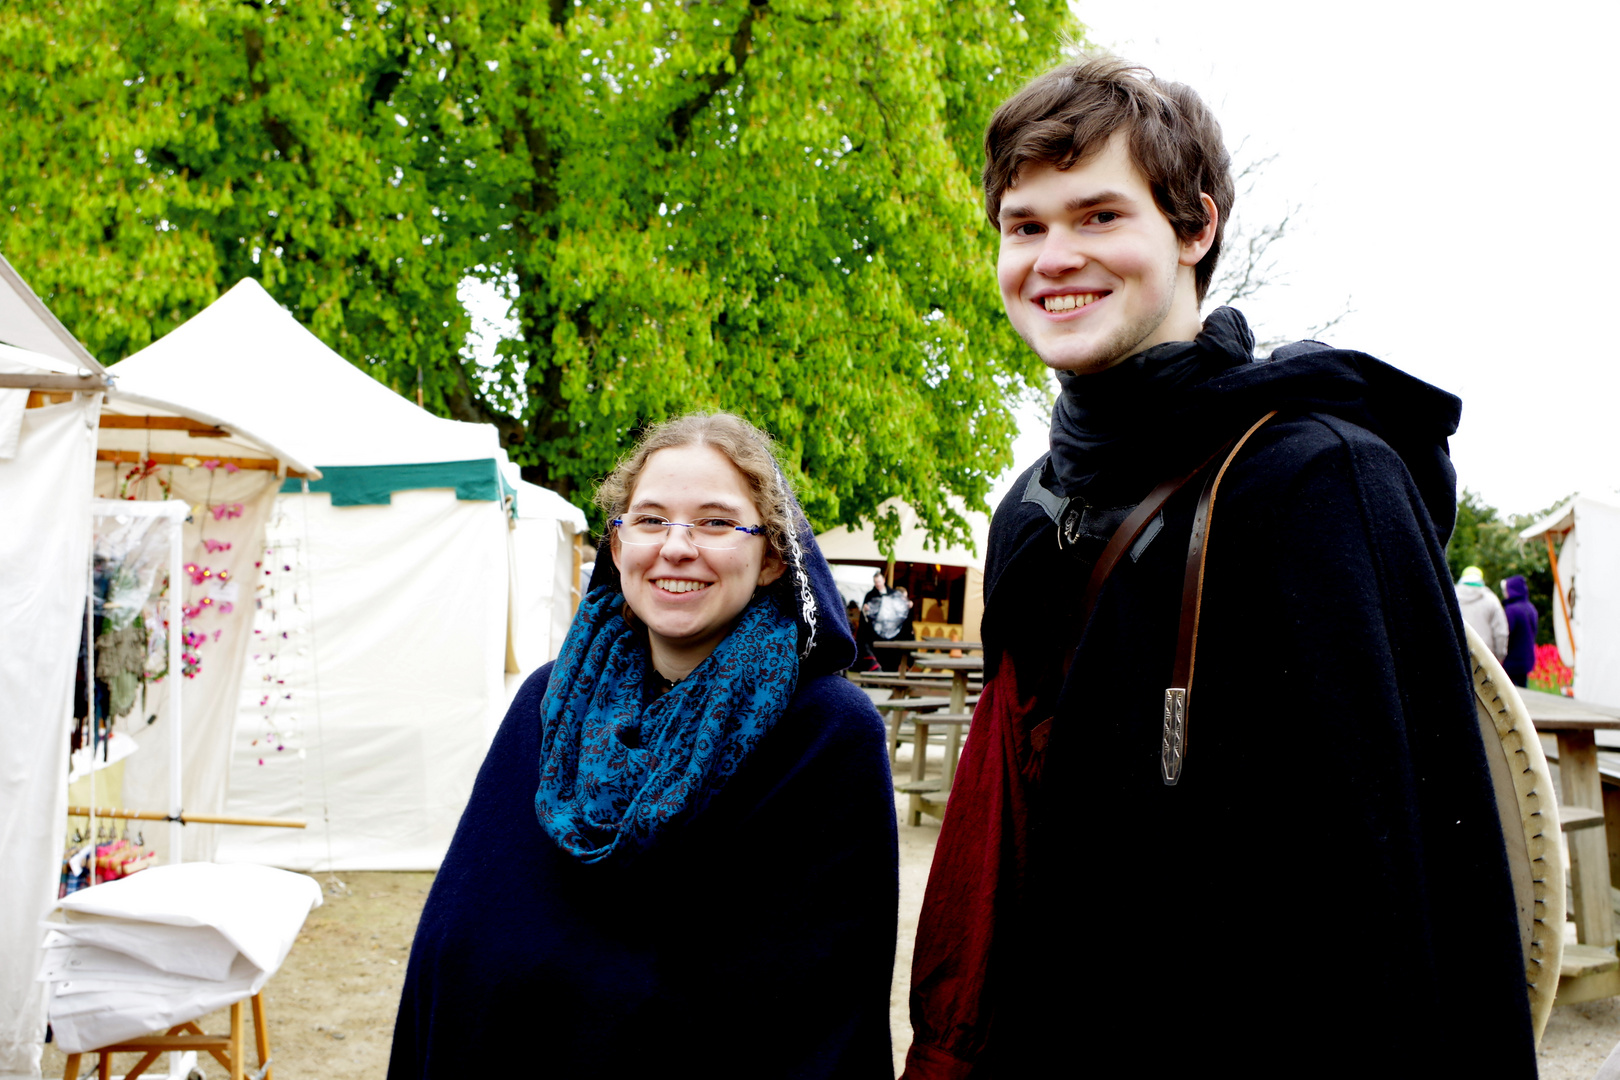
point(1091, 271)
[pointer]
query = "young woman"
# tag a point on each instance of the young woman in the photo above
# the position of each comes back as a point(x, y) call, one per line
point(680, 855)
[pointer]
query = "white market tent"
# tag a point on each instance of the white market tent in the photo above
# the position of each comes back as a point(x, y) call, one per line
point(1583, 542)
point(853, 551)
point(55, 415)
point(46, 458)
point(383, 601)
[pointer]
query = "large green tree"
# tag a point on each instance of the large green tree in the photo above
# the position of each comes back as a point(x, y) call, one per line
point(763, 207)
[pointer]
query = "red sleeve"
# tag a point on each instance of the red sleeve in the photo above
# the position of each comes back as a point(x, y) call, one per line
point(976, 885)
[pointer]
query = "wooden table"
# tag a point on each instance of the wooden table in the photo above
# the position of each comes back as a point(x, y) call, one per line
point(909, 646)
point(957, 717)
point(1591, 970)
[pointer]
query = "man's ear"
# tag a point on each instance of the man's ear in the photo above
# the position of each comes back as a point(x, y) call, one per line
point(1195, 247)
point(774, 568)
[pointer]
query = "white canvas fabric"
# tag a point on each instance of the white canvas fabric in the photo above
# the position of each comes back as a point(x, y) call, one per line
point(245, 358)
point(44, 550)
point(1597, 602)
point(379, 659)
point(1586, 532)
point(913, 543)
point(167, 945)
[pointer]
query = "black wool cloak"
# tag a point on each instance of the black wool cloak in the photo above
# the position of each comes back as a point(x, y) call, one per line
point(756, 940)
point(1325, 892)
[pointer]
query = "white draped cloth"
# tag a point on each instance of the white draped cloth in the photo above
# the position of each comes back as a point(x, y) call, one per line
point(141, 954)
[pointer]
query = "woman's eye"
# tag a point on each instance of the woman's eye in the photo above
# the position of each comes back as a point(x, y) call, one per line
point(644, 519)
point(717, 523)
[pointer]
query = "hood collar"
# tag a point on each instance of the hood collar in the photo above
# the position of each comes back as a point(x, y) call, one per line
point(1095, 414)
point(1117, 433)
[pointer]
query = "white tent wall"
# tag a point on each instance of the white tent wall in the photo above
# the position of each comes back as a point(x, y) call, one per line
point(542, 574)
point(208, 700)
point(395, 621)
point(1596, 602)
point(45, 551)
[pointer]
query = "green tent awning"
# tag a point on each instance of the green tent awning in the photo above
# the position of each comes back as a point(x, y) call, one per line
point(374, 485)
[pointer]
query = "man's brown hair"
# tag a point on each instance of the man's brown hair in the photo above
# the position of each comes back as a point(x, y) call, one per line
point(1065, 116)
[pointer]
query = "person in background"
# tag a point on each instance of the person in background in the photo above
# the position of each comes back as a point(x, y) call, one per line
point(885, 614)
point(864, 660)
point(680, 854)
point(1521, 622)
point(1483, 611)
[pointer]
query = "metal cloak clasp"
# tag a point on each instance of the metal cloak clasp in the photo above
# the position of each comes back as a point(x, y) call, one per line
point(1173, 750)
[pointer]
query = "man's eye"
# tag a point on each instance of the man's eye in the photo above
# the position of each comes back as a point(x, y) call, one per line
point(1026, 228)
point(1105, 217)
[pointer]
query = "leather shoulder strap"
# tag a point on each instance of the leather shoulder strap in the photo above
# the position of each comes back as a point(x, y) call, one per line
point(1178, 695)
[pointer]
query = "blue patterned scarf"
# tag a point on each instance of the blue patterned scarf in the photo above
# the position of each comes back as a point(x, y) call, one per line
point(615, 774)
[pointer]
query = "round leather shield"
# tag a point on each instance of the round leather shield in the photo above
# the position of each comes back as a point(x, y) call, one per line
point(1528, 804)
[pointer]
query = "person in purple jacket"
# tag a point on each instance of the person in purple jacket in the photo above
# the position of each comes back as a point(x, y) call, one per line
point(1521, 620)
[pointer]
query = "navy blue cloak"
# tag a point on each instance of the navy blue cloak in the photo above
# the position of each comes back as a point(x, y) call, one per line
point(756, 940)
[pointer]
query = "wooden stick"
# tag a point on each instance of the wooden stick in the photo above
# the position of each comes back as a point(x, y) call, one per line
point(1563, 602)
point(185, 819)
point(135, 457)
point(162, 423)
point(22, 381)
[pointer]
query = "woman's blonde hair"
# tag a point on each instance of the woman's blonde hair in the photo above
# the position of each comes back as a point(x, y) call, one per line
point(743, 444)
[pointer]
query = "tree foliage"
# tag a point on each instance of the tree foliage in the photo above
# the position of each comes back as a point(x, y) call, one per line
point(1483, 539)
point(770, 208)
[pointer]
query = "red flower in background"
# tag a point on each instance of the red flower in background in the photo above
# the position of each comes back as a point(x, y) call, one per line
point(1551, 674)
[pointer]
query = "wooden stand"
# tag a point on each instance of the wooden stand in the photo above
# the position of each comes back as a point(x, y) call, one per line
point(227, 1049)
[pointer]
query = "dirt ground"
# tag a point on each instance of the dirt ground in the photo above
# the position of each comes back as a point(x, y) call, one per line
point(330, 1009)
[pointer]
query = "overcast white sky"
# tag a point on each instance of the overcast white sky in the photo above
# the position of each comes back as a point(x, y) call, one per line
point(1456, 167)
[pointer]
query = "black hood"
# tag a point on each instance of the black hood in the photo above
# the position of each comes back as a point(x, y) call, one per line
point(1120, 432)
point(806, 591)
point(1117, 433)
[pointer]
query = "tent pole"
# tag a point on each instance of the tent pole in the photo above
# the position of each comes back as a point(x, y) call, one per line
point(90, 692)
point(176, 669)
point(1563, 601)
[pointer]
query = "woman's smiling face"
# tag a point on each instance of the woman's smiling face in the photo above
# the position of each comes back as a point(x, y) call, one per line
point(689, 597)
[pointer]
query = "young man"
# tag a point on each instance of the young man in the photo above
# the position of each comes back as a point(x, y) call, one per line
point(1304, 873)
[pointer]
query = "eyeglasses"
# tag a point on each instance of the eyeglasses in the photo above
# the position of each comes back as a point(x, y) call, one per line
point(714, 534)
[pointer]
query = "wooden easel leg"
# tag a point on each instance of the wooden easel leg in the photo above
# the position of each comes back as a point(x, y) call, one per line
point(104, 1066)
point(261, 1036)
point(71, 1072)
point(236, 1041)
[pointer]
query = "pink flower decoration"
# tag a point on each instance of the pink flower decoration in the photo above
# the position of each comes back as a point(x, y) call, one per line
point(211, 464)
point(216, 545)
point(224, 609)
point(231, 467)
point(224, 575)
point(226, 510)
